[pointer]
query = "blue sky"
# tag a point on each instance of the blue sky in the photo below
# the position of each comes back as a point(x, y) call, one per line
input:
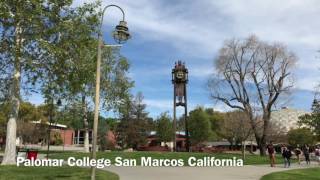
point(193, 31)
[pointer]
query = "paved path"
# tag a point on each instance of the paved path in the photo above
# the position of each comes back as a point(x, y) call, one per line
point(248, 172)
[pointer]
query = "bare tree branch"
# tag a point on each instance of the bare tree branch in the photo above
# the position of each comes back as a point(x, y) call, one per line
point(252, 76)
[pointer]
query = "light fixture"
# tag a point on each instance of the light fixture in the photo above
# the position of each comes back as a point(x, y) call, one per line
point(121, 33)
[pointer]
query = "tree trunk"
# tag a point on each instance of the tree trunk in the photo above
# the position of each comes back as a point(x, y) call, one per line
point(259, 139)
point(85, 123)
point(10, 149)
point(263, 148)
point(243, 150)
point(261, 145)
point(263, 140)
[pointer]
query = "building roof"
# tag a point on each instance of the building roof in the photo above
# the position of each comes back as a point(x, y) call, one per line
point(177, 132)
point(52, 124)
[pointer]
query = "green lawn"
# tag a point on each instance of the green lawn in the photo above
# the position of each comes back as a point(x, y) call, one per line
point(44, 173)
point(305, 174)
point(250, 159)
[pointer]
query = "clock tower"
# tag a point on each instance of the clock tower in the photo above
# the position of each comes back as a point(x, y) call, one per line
point(179, 81)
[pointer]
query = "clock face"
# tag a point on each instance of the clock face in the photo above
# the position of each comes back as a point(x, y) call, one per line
point(180, 75)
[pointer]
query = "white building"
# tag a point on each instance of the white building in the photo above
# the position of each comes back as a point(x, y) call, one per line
point(287, 118)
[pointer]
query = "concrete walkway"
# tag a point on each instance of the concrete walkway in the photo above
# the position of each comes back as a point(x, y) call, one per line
point(248, 172)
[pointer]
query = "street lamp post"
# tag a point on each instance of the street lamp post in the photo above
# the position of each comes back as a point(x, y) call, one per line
point(120, 34)
point(50, 122)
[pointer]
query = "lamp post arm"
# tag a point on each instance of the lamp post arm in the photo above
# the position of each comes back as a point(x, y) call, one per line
point(104, 10)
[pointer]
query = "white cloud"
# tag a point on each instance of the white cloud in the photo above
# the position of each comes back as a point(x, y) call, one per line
point(163, 105)
point(198, 28)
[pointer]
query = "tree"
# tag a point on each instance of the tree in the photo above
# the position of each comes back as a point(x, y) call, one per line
point(80, 34)
point(300, 137)
point(164, 128)
point(312, 120)
point(25, 130)
point(28, 112)
point(102, 134)
point(4, 112)
point(214, 117)
point(26, 28)
point(235, 127)
point(135, 124)
point(199, 126)
point(80, 39)
point(180, 123)
point(43, 43)
point(251, 76)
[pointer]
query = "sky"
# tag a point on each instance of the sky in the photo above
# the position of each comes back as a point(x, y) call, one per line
point(193, 31)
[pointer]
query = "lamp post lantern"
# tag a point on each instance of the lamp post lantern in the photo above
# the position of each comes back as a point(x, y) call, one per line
point(179, 81)
point(120, 34)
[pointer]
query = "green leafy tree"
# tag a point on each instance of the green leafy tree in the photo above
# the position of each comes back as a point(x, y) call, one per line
point(80, 36)
point(164, 128)
point(312, 120)
point(29, 37)
point(42, 42)
point(135, 124)
point(107, 126)
point(214, 117)
point(27, 131)
point(102, 134)
point(73, 61)
point(28, 112)
point(300, 136)
point(235, 127)
point(199, 126)
point(112, 123)
point(4, 115)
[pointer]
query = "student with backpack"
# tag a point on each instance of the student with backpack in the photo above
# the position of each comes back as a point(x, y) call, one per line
point(306, 153)
point(286, 154)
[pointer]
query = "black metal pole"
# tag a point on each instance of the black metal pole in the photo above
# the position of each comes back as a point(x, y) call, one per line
point(48, 141)
point(49, 127)
point(186, 119)
point(174, 118)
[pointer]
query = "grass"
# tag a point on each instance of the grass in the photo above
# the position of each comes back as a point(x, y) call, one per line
point(51, 173)
point(250, 159)
point(305, 174)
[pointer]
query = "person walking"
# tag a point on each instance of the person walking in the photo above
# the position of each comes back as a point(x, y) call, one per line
point(317, 154)
point(286, 154)
point(271, 153)
point(306, 153)
point(298, 152)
